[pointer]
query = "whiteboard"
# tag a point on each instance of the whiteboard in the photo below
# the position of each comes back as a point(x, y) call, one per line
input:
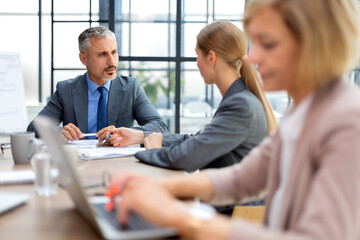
point(13, 115)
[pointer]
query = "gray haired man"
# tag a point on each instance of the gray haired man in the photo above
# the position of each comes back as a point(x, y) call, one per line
point(100, 99)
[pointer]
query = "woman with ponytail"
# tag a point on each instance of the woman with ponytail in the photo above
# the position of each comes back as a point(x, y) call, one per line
point(241, 121)
point(310, 167)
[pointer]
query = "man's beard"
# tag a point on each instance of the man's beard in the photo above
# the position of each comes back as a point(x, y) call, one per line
point(111, 77)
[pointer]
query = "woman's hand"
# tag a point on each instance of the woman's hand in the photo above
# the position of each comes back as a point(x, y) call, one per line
point(123, 137)
point(151, 199)
point(154, 140)
point(214, 229)
point(147, 198)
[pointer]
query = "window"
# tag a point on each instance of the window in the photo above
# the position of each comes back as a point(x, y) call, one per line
point(156, 44)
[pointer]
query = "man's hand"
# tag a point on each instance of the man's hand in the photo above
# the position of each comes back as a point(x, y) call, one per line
point(123, 137)
point(103, 133)
point(70, 132)
point(154, 140)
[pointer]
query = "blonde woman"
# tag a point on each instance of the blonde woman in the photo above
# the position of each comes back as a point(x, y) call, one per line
point(310, 167)
point(241, 121)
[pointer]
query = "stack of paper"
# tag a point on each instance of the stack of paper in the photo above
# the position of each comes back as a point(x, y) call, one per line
point(108, 152)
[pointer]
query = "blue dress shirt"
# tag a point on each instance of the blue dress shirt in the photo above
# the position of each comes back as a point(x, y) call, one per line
point(93, 100)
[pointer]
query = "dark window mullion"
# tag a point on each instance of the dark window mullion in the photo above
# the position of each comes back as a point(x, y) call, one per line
point(111, 15)
point(40, 53)
point(168, 101)
point(178, 64)
point(130, 26)
point(52, 49)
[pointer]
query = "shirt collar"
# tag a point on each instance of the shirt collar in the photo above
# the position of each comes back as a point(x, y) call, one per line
point(92, 87)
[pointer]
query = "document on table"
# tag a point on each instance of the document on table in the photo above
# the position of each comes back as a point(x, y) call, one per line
point(86, 143)
point(10, 200)
point(108, 152)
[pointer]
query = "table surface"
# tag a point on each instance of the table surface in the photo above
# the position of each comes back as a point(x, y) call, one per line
point(55, 217)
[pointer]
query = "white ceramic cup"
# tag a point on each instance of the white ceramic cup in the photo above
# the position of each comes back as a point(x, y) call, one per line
point(73, 154)
point(22, 147)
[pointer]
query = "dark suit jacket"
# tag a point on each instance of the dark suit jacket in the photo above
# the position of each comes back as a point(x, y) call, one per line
point(126, 102)
point(238, 125)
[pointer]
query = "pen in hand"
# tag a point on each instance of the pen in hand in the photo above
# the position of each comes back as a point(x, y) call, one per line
point(107, 138)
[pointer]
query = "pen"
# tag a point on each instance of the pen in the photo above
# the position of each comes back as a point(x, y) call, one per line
point(107, 138)
point(89, 134)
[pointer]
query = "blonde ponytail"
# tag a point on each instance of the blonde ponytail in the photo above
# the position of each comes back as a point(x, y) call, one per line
point(229, 42)
point(252, 81)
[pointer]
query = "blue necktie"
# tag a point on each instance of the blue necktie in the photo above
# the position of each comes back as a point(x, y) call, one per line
point(101, 114)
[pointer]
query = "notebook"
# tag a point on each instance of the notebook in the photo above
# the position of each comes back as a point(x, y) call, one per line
point(17, 177)
point(10, 201)
point(104, 222)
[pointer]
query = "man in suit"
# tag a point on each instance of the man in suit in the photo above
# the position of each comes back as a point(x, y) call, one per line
point(100, 99)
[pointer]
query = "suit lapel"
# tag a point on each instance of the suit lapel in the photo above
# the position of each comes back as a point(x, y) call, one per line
point(115, 100)
point(80, 101)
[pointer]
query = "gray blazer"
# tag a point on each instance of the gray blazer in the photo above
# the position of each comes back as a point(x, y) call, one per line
point(238, 125)
point(126, 102)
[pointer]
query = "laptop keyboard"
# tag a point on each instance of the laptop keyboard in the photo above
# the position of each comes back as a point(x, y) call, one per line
point(135, 221)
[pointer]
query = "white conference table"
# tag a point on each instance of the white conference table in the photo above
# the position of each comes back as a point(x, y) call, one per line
point(55, 217)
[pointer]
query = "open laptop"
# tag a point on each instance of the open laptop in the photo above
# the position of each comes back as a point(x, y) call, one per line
point(103, 221)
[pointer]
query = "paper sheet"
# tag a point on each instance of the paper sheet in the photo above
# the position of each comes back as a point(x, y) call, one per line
point(108, 152)
point(86, 143)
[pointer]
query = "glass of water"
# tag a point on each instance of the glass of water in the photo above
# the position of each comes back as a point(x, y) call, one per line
point(46, 173)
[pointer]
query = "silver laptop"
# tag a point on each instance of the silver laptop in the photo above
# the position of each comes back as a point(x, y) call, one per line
point(103, 221)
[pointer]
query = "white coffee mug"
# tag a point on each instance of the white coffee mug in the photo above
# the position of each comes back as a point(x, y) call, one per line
point(73, 154)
